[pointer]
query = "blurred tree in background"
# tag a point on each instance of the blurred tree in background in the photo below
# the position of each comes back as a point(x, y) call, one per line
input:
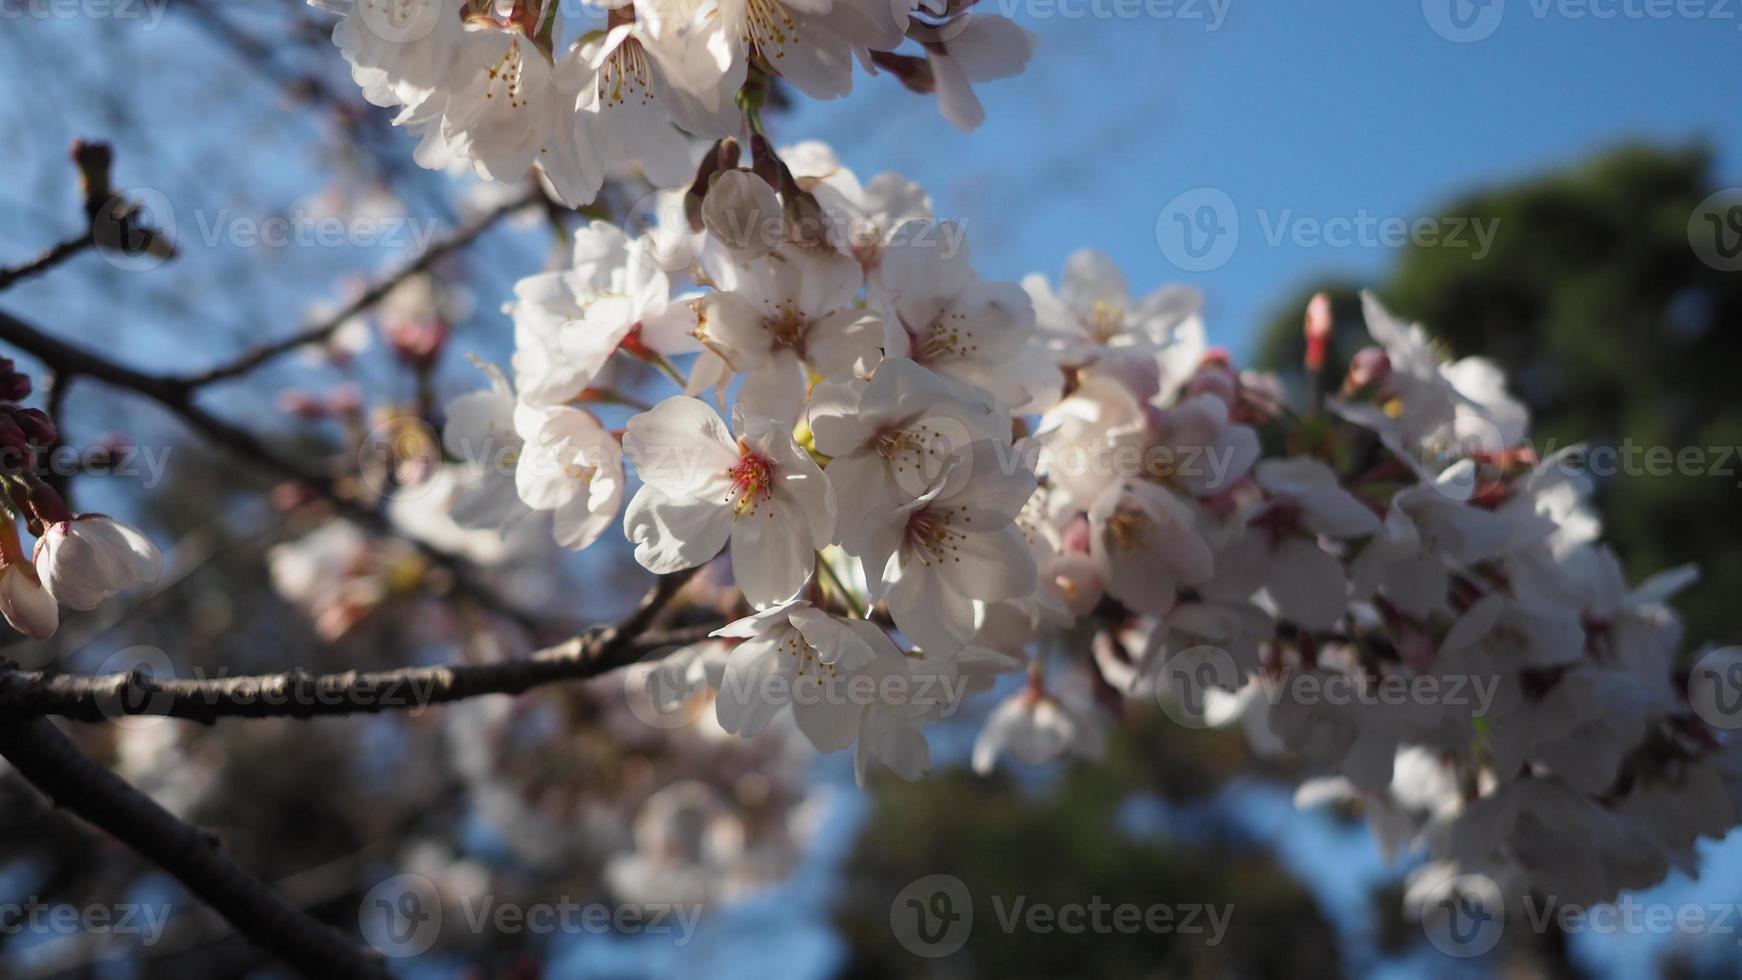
point(1064, 841)
point(1611, 328)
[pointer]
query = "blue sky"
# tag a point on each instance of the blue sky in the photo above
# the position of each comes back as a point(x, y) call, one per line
point(1319, 109)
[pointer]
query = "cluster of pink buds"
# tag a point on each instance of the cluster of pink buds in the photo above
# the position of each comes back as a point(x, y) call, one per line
point(79, 560)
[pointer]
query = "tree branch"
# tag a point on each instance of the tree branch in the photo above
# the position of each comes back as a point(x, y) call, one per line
point(320, 332)
point(295, 694)
point(75, 782)
point(175, 395)
point(47, 260)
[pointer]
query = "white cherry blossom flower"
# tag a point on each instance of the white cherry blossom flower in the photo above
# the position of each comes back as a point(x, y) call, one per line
point(1146, 543)
point(953, 550)
point(948, 319)
point(500, 103)
point(1282, 543)
point(1036, 727)
point(890, 438)
point(830, 672)
point(1092, 319)
point(570, 465)
point(705, 488)
point(25, 603)
point(790, 313)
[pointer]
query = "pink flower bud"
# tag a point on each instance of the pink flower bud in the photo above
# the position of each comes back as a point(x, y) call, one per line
point(26, 604)
point(90, 558)
point(301, 405)
point(1370, 366)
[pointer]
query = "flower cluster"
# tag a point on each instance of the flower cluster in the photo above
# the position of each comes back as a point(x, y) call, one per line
point(924, 479)
point(488, 84)
point(79, 560)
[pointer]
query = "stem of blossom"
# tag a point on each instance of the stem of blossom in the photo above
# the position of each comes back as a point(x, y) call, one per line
point(49, 507)
point(858, 607)
point(605, 396)
point(11, 549)
point(668, 369)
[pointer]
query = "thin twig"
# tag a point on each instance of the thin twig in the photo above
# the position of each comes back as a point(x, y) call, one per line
point(320, 332)
point(175, 395)
point(47, 260)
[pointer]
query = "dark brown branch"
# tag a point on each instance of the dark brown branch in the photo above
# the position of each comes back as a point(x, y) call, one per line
point(175, 395)
point(294, 694)
point(52, 763)
point(47, 260)
point(320, 332)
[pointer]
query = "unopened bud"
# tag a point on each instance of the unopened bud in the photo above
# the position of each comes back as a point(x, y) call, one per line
point(35, 423)
point(1318, 331)
point(93, 161)
point(418, 343)
point(723, 157)
point(1369, 367)
point(301, 405)
point(14, 384)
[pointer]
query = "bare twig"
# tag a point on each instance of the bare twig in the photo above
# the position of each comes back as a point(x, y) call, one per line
point(175, 395)
point(295, 694)
point(47, 260)
point(320, 332)
point(53, 764)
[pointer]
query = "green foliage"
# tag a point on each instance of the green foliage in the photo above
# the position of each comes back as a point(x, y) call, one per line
point(1064, 844)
